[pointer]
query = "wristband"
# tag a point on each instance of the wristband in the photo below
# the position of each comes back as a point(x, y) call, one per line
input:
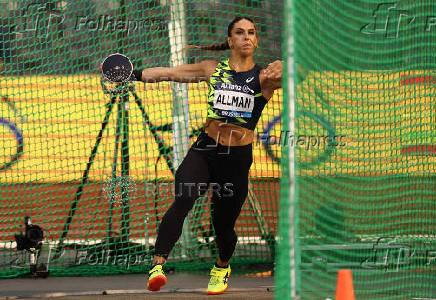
point(137, 75)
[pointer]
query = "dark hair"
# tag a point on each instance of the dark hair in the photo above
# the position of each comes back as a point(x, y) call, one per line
point(236, 20)
point(224, 45)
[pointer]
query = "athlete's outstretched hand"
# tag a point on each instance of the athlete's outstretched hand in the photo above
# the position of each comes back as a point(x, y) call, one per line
point(1, 65)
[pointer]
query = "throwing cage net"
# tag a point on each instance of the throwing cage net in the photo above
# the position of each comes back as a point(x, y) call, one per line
point(94, 170)
point(358, 186)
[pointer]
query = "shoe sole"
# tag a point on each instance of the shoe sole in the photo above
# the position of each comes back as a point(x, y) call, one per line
point(216, 293)
point(156, 283)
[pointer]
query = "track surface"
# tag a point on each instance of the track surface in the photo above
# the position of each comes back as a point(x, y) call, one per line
point(180, 286)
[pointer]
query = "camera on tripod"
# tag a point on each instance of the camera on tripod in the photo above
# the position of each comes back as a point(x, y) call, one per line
point(32, 238)
point(31, 241)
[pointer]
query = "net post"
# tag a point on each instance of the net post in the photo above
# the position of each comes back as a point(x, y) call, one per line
point(290, 73)
point(180, 111)
point(287, 275)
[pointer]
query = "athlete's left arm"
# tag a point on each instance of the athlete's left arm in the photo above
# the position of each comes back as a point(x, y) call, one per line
point(271, 78)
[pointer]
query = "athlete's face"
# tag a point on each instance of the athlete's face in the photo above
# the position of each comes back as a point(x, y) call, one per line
point(243, 38)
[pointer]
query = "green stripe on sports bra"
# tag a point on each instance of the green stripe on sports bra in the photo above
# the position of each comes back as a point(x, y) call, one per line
point(241, 120)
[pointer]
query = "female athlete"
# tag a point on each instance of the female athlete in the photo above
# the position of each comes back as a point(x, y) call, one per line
point(222, 155)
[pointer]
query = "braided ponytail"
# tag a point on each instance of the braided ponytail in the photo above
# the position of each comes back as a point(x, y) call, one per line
point(213, 47)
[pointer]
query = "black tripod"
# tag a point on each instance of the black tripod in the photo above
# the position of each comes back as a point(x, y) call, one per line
point(119, 95)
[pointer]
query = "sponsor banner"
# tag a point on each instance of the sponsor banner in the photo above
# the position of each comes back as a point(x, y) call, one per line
point(373, 123)
point(386, 121)
point(50, 124)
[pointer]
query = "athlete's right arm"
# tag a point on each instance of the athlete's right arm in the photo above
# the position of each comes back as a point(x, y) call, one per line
point(184, 73)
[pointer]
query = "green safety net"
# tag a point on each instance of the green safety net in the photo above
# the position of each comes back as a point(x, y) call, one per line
point(95, 171)
point(363, 151)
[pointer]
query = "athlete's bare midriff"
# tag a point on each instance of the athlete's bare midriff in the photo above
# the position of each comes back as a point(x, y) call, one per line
point(228, 134)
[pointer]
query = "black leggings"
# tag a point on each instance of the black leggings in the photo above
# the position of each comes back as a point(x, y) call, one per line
point(225, 170)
